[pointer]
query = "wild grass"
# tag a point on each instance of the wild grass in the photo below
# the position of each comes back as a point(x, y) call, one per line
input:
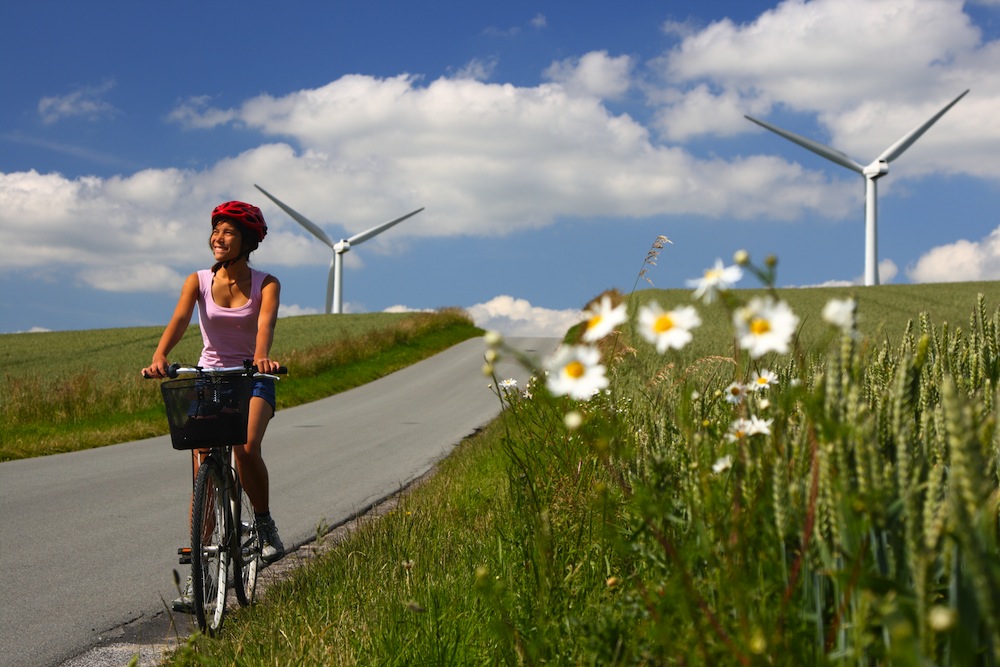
point(636, 528)
point(65, 391)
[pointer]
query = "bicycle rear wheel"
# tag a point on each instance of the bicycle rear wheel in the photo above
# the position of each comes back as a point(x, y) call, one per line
point(209, 548)
point(246, 558)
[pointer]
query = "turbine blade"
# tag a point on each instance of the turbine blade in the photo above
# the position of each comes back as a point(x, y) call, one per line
point(894, 151)
point(365, 235)
point(299, 218)
point(816, 147)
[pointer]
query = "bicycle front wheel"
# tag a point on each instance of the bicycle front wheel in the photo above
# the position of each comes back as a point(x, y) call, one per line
point(209, 548)
point(246, 556)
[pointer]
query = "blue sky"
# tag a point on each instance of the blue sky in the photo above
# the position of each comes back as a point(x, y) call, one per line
point(549, 142)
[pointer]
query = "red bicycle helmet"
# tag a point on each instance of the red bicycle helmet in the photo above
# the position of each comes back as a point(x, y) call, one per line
point(244, 214)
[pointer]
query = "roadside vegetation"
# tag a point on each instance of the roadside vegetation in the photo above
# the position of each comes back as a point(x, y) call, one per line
point(70, 390)
point(779, 477)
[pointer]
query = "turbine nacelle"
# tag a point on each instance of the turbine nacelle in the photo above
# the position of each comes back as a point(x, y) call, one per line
point(876, 169)
point(341, 246)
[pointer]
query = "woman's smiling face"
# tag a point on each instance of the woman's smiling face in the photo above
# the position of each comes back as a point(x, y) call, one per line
point(225, 241)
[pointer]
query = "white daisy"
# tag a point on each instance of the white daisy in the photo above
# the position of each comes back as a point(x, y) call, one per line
point(841, 313)
point(667, 329)
point(723, 464)
point(717, 279)
point(735, 392)
point(765, 325)
point(739, 429)
point(758, 426)
point(575, 370)
point(763, 379)
point(573, 420)
point(602, 318)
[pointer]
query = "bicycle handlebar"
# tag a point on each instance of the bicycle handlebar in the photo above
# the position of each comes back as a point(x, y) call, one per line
point(176, 370)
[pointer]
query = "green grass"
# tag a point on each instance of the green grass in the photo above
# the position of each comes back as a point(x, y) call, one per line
point(861, 531)
point(65, 391)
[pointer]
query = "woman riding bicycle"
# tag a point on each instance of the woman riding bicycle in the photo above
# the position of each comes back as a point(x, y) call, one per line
point(237, 310)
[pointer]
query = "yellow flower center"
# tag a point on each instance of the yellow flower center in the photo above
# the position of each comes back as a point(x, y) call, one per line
point(713, 274)
point(759, 326)
point(574, 369)
point(594, 322)
point(663, 324)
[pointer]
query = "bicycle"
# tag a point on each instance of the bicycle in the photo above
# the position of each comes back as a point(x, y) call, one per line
point(207, 412)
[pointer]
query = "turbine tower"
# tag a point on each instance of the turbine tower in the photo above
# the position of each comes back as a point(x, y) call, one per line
point(335, 278)
point(878, 168)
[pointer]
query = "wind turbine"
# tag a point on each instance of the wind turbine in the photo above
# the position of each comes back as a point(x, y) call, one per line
point(878, 168)
point(335, 278)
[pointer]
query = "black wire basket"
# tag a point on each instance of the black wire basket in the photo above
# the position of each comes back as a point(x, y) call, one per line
point(207, 411)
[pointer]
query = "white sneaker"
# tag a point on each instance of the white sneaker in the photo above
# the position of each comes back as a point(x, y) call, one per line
point(271, 548)
point(185, 603)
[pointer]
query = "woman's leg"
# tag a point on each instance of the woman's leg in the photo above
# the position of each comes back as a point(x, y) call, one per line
point(249, 462)
point(253, 475)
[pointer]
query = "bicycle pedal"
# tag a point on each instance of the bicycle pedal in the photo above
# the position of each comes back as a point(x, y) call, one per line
point(185, 555)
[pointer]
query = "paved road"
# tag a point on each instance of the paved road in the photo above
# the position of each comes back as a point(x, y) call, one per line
point(88, 540)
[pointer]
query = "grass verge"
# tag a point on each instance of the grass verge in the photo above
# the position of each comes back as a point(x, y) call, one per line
point(68, 391)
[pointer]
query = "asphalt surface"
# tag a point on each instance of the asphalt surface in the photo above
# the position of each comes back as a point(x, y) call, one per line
point(88, 540)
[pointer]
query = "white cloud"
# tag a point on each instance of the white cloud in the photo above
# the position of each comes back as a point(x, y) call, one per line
point(83, 102)
point(517, 317)
point(821, 56)
point(537, 22)
point(195, 113)
point(32, 330)
point(90, 223)
point(294, 310)
point(702, 111)
point(682, 29)
point(477, 69)
point(141, 277)
point(514, 317)
point(960, 261)
point(887, 271)
point(596, 73)
point(399, 308)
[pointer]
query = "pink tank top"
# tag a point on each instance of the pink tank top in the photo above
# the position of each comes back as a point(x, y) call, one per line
point(229, 334)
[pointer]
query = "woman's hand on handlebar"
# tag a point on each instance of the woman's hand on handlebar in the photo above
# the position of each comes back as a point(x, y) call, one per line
point(266, 365)
point(160, 368)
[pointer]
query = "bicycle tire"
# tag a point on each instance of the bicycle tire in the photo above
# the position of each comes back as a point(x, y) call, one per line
point(246, 552)
point(209, 547)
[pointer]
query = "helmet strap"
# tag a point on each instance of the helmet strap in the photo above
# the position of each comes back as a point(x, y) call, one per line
point(229, 262)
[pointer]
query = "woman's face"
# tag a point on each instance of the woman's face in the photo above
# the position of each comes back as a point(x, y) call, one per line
point(226, 241)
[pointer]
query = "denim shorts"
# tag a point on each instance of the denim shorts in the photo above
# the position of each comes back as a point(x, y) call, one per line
point(264, 388)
